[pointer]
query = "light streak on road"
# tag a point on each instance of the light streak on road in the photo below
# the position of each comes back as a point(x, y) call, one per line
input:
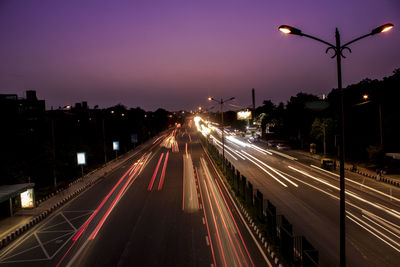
point(234, 221)
point(217, 230)
point(219, 144)
point(360, 184)
point(352, 194)
point(369, 228)
point(272, 169)
point(237, 142)
point(231, 230)
point(313, 177)
point(155, 173)
point(160, 185)
point(206, 220)
point(358, 221)
point(382, 227)
point(85, 225)
point(113, 204)
point(262, 168)
point(227, 152)
point(263, 151)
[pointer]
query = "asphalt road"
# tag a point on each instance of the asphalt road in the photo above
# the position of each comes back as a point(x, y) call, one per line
point(164, 207)
point(309, 198)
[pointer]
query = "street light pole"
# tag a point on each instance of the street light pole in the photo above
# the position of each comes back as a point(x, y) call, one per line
point(338, 53)
point(221, 102)
point(342, 203)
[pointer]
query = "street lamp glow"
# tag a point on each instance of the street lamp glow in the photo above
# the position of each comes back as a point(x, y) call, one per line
point(365, 97)
point(289, 30)
point(210, 98)
point(387, 28)
point(384, 28)
point(284, 30)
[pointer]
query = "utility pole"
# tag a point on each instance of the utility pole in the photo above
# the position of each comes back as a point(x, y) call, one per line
point(53, 144)
point(104, 141)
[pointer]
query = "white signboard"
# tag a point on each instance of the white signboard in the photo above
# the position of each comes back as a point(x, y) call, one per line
point(81, 156)
point(116, 145)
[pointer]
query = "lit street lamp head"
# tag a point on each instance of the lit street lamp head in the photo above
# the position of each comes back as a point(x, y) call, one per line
point(289, 30)
point(384, 28)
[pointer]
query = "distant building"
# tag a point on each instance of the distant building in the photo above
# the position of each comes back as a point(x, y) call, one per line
point(30, 107)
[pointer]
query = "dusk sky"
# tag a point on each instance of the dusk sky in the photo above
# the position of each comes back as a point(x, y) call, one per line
point(174, 54)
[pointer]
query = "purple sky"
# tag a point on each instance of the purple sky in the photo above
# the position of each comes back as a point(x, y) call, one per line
point(174, 54)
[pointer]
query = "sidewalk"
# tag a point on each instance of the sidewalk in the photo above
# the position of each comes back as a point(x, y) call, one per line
point(23, 220)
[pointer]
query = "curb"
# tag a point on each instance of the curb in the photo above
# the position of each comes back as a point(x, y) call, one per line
point(375, 177)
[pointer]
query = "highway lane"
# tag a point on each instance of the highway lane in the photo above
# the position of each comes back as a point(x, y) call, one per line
point(147, 213)
point(308, 197)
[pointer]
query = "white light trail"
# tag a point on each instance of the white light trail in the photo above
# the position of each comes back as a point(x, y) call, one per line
point(272, 169)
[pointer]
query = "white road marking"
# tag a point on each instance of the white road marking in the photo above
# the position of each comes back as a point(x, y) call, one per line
point(73, 227)
point(41, 245)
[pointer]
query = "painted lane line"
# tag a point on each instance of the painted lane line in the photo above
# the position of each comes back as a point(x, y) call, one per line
point(155, 173)
point(41, 245)
point(70, 224)
point(205, 217)
point(207, 241)
point(160, 185)
point(4, 258)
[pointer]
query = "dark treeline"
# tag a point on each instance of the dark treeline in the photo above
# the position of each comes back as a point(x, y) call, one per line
point(39, 145)
point(371, 107)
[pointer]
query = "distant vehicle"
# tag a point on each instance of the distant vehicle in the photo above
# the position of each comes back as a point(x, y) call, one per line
point(253, 138)
point(272, 143)
point(282, 146)
point(328, 164)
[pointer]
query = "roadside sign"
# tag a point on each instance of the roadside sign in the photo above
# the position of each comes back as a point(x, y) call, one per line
point(81, 156)
point(116, 145)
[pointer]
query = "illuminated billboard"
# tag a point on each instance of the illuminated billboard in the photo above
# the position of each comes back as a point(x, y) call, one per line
point(27, 199)
point(244, 115)
point(81, 156)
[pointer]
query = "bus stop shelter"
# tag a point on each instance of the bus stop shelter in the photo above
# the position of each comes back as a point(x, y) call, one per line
point(22, 193)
